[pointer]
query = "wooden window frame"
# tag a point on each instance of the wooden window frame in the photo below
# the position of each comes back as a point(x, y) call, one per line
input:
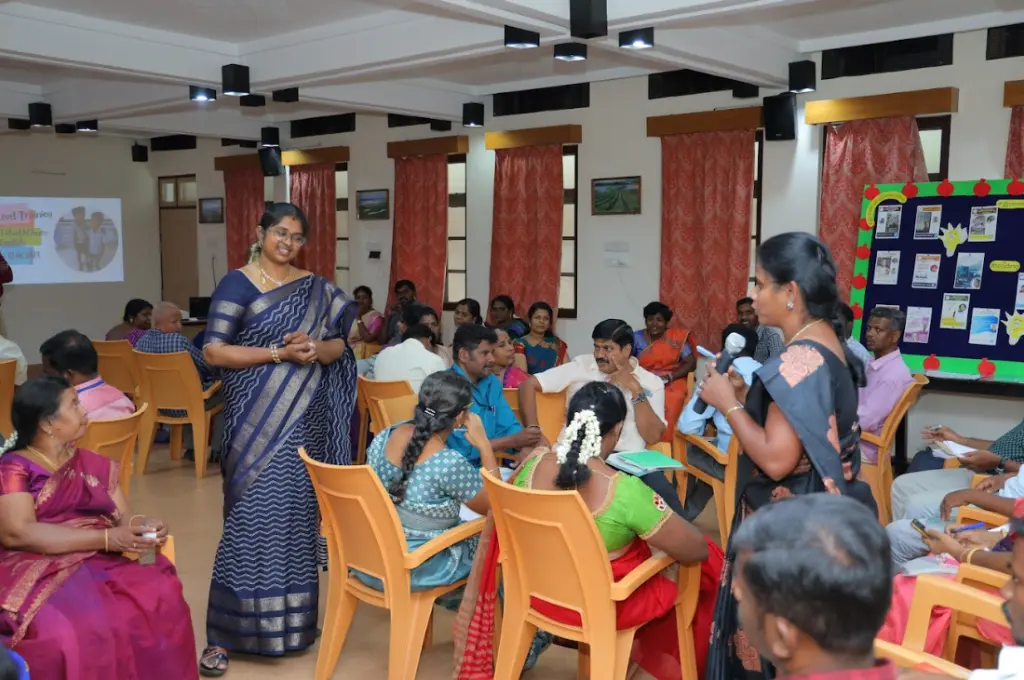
point(454, 201)
point(571, 313)
point(177, 181)
point(943, 123)
point(341, 205)
point(758, 194)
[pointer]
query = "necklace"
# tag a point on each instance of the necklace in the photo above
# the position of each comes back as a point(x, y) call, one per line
point(268, 278)
point(42, 459)
point(801, 331)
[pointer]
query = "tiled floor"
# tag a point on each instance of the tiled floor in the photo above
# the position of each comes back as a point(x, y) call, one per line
point(193, 511)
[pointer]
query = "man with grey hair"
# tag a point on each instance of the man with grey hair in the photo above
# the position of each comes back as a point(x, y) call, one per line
point(886, 376)
point(166, 338)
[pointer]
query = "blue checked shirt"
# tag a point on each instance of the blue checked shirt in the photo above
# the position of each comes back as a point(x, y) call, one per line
point(158, 342)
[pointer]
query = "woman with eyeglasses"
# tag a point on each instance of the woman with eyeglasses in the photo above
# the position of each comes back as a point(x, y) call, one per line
point(277, 333)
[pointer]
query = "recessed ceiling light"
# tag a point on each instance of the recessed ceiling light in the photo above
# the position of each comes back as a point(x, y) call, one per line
point(87, 126)
point(64, 128)
point(18, 124)
point(571, 52)
point(235, 80)
point(521, 39)
point(288, 95)
point(639, 39)
point(40, 114)
point(270, 136)
point(803, 76)
point(472, 114)
point(202, 94)
point(252, 100)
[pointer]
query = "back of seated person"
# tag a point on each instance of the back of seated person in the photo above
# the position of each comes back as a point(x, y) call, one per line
point(167, 338)
point(412, 360)
point(71, 354)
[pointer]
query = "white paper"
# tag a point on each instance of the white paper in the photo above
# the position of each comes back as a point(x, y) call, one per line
point(926, 270)
point(984, 326)
point(1019, 305)
point(969, 269)
point(887, 221)
point(919, 324)
point(929, 218)
point(983, 223)
point(948, 449)
point(887, 267)
point(955, 308)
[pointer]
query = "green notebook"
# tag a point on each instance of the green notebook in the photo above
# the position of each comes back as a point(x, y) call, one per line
point(642, 462)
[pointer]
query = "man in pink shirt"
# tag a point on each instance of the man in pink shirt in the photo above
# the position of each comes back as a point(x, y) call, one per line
point(70, 354)
point(887, 376)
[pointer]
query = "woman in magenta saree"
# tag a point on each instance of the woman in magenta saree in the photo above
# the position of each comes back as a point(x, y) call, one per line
point(71, 604)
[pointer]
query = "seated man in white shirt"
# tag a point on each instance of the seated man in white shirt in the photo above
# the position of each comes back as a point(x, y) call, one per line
point(9, 350)
point(412, 360)
point(690, 422)
point(611, 362)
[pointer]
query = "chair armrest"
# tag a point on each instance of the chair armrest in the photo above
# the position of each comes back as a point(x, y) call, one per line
point(445, 540)
point(871, 438)
point(978, 479)
point(639, 576)
point(970, 515)
point(706, 446)
point(212, 390)
point(973, 574)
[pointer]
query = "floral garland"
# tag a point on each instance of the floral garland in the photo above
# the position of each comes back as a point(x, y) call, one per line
point(590, 447)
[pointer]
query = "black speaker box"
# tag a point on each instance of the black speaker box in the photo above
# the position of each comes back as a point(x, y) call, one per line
point(780, 117)
point(270, 161)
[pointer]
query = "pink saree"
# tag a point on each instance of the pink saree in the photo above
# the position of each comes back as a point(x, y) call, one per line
point(88, 615)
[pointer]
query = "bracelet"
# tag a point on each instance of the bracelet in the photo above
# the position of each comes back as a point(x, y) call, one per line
point(737, 407)
point(106, 540)
point(134, 518)
point(533, 427)
point(966, 559)
point(274, 355)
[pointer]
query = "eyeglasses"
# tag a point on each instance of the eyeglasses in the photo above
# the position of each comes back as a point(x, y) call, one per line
point(282, 234)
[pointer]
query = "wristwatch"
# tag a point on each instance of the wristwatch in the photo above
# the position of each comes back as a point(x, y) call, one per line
point(640, 398)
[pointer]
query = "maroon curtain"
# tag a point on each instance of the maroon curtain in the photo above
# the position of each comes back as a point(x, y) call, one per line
point(419, 243)
point(526, 232)
point(243, 207)
point(314, 192)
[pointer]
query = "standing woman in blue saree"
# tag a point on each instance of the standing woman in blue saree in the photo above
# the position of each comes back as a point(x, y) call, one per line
point(278, 335)
point(797, 424)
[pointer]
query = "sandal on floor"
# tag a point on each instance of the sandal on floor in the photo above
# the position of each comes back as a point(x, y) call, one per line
point(214, 662)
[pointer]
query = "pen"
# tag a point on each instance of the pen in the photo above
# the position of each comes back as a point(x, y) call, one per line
point(968, 527)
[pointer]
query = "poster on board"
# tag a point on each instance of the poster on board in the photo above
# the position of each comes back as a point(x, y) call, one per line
point(929, 219)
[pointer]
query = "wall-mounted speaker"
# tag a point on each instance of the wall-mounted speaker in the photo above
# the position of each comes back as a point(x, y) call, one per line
point(780, 117)
point(270, 161)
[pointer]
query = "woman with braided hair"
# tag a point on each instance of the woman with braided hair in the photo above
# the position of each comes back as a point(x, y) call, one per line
point(631, 519)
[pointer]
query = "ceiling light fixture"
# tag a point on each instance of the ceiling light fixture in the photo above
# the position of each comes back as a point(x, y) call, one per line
point(88, 126)
point(638, 39)
point(252, 100)
point(803, 77)
point(140, 153)
point(520, 38)
point(235, 80)
point(289, 95)
point(745, 91)
point(270, 136)
point(588, 18)
point(472, 114)
point(202, 94)
point(40, 115)
point(571, 52)
point(64, 128)
point(18, 124)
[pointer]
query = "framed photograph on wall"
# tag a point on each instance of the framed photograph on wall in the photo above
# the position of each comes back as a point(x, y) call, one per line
point(373, 204)
point(615, 196)
point(211, 211)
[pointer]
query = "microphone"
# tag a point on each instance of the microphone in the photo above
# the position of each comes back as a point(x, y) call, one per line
point(734, 344)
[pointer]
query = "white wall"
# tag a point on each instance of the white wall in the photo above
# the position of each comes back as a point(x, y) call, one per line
point(41, 164)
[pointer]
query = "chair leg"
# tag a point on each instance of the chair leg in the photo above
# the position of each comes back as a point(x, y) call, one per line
point(177, 436)
point(201, 443)
point(609, 656)
point(516, 637)
point(341, 608)
point(428, 637)
point(364, 423)
point(147, 431)
point(409, 618)
point(687, 652)
point(583, 662)
point(718, 490)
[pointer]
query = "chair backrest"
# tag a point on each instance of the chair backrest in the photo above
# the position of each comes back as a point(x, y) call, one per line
point(169, 381)
point(117, 364)
point(361, 522)
point(512, 397)
point(980, 577)
point(8, 374)
point(731, 456)
point(115, 439)
point(379, 389)
point(906, 658)
point(551, 549)
point(551, 413)
point(892, 422)
point(933, 591)
point(392, 411)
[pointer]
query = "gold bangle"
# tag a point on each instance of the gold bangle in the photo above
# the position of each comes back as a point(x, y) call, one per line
point(969, 555)
point(737, 407)
point(134, 517)
point(274, 355)
point(106, 541)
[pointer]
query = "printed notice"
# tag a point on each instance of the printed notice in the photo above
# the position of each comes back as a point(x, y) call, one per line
point(926, 271)
point(919, 324)
point(887, 221)
point(1019, 304)
point(887, 267)
point(926, 226)
point(983, 223)
point(969, 267)
point(955, 307)
point(984, 326)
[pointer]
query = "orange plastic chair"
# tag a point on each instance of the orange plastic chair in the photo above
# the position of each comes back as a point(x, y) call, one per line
point(905, 658)
point(171, 381)
point(364, 533)
point(724, 489)
point(551, 414)
point(118, 365)
point(879, 476)
point(512, 397)
point(8, 374)
point(551, 549)
point(116, 440)
point(970, 514)
point(388, 412)
point(380, 389)
point(933, 591)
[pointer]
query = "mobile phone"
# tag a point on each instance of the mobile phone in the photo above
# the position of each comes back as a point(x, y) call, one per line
point(920, 528)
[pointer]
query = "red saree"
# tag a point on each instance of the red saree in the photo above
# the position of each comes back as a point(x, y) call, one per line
point(662, 357)
point(88, 615)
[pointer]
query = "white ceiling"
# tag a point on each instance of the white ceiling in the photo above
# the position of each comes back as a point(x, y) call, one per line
point(129, 62)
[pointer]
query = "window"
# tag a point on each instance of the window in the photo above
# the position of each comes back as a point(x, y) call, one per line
point(755, 213)
point(455, 278)
point(567, 281)
point(888, 57)
point(178, 192)
point(1005, 42)
point(934, 131)
point(342, 264)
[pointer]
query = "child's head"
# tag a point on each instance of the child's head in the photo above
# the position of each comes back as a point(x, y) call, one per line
point(96, 220)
